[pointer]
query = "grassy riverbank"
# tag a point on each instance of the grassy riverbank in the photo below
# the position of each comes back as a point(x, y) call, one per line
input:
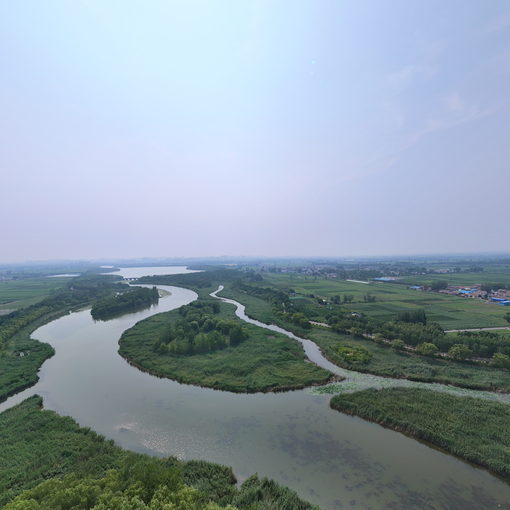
point(383, 360)
point(472, 429)
point(20, 355)
point(264, 361)
point(38, 445)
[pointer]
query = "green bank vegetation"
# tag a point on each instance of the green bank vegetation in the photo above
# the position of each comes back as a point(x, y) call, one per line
point(131, 300)
point(365, 335)
point(49, 462)
point(473, 429)
point(205, 344)
point(20, 355)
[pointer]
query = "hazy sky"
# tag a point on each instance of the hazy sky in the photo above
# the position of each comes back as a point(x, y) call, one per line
point(190, 128)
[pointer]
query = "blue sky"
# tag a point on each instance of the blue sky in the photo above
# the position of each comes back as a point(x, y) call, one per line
point(199, 128)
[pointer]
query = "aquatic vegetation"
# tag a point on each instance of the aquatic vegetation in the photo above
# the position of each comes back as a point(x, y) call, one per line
point(473, 429)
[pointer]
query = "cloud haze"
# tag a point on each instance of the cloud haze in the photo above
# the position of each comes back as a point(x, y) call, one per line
point(253, 128)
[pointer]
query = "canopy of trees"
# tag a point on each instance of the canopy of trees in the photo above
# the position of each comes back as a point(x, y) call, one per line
point(199, 331)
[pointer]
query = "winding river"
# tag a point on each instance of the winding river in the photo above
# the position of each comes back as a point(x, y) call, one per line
point(331, 459)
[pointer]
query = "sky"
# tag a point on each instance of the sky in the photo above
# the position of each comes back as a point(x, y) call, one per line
point(284, 127)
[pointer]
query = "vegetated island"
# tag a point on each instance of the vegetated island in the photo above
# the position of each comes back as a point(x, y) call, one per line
point(48, 461)
point(473, 429)
point(22, 356)
point(131, 300)
point(205, 344)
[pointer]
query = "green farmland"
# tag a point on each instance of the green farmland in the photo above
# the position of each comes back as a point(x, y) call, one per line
point(15, 294)
point(450, 311)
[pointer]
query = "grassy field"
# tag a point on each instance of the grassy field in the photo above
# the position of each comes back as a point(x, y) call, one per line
point(38, 445)
point(473, 429)
point(266, 361)
point(15, 294)
point(450, 311)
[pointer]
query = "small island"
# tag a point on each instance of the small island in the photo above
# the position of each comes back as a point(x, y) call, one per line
point(130, 301)
point(205, 344)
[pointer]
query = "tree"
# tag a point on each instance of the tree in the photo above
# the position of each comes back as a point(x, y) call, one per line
point(414, 316)
point(438, 285)
point(460, 351)
point(426, 349)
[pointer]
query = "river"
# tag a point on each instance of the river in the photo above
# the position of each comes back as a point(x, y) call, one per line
point(331, 459)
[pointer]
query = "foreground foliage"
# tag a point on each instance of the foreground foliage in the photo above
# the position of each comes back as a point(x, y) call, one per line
point(473, 429)
point(231, 355)
point(49, 462)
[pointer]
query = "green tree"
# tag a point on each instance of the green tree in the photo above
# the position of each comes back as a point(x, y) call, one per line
point(460, 351)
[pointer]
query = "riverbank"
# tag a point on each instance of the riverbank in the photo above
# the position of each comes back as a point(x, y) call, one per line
point(471, 429)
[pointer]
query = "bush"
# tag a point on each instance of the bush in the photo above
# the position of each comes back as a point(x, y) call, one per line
point(354, 355)
point(398, 344)
point(426, 349)
point(500, 360)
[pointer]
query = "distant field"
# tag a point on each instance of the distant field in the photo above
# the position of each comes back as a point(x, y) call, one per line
point(498, 274)
point(16, 294)
point(450, 311)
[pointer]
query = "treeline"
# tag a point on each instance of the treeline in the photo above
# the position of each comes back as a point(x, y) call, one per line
point(48, 461)
point(128, 301)
point(199, 331)
point(428, 339)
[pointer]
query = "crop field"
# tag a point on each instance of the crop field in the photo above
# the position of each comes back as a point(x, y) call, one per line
point(450, 311)
point(15, 294)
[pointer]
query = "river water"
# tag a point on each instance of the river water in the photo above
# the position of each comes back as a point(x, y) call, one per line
point(331, 459)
